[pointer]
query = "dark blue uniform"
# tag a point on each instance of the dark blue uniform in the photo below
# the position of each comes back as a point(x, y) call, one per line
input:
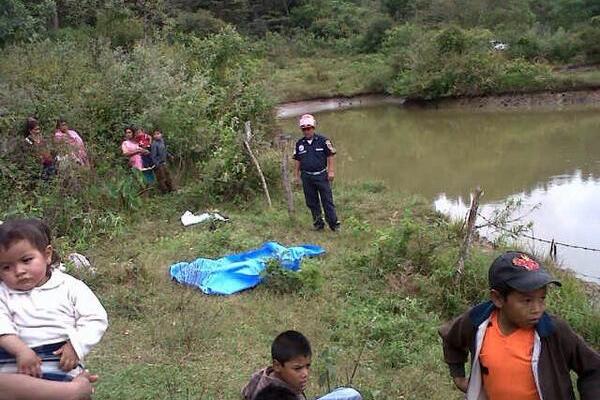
point(313, 171)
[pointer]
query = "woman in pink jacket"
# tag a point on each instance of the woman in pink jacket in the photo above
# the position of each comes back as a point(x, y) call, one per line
point(132, 150)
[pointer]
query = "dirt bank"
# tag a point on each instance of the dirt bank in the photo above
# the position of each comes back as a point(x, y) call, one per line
point(517, 101)
point(296, 108)
point(589, 97)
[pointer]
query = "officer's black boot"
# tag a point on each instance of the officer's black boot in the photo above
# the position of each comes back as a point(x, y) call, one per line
point(319, 224)
point(335, 227)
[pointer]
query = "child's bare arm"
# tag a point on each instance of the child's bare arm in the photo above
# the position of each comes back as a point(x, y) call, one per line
point(28, 362)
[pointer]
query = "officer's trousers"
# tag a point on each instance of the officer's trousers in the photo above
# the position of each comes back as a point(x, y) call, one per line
point(315, 187)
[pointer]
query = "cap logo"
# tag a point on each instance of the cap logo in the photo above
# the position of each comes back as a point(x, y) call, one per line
point(525, 262)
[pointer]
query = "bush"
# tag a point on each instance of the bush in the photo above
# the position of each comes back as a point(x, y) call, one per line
point(120, 27)
point(375, 34)
point(457, 62)
point(280, 280)
point(200, 23)
point(590, 41)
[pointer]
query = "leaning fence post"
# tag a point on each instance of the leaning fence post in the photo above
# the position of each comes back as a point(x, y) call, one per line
point(470, 227)
point(282, 140)
point(247, 138)
point(553, 251)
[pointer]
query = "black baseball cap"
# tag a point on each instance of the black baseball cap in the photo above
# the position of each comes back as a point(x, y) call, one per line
point(519, 271)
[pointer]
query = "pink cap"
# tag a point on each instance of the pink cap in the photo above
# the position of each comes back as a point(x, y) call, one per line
point(306, 120)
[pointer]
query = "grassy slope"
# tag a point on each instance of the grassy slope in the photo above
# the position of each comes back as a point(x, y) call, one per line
point(182, 344)
point(168, 341)
point(325, 75)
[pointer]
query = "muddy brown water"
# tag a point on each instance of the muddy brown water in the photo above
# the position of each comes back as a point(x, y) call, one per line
point(549, 160)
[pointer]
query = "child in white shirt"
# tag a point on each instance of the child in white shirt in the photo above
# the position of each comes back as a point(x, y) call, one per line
point(49, 320)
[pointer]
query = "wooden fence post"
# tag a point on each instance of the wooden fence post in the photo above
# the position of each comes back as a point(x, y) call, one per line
point(247, 138)
point(283, 140)
point(469, 229)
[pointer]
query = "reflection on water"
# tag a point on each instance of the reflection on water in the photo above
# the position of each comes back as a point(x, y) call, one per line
point(567, 211)
point(551, 158)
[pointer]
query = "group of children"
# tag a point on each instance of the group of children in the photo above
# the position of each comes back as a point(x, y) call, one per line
point(148, 154)
point(49, 321)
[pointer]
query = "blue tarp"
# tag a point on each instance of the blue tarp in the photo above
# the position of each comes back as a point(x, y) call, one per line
point(237, 272)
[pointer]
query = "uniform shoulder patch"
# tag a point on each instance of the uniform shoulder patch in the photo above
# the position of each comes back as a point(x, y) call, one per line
point(330, 146)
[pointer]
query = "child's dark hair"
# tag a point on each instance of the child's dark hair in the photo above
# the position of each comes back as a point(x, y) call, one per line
point(60, 121)
point(288, 345)
point(274, 392)
point(32, 230)
point(30, 123)
point(503, 291)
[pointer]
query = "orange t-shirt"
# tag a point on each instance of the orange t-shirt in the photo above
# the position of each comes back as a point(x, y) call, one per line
point(506, 363)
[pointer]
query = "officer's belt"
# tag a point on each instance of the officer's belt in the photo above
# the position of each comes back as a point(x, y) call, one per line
point(314, 173)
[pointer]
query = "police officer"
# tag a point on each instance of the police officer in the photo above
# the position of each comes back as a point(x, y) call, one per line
point(314, 166)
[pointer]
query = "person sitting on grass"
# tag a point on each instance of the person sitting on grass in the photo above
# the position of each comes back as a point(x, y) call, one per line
point(291, 354)
point(518, 351)
point(25, 387)
point(274, 392)
point(49, 321)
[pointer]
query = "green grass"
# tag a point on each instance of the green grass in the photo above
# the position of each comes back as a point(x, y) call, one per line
point(582, 77)
point(324, 76)
point(380, 300)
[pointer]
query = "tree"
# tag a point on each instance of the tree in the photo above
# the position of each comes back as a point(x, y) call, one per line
point(400, 10)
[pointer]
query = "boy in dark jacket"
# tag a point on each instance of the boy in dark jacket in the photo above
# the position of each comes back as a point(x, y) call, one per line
point(158, 151)
point(291, 354)
point(518, 351)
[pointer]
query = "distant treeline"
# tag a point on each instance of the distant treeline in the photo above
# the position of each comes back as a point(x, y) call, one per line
point(557, 29)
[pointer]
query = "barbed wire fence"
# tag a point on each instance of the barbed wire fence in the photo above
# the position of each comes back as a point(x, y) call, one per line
point(519, 234)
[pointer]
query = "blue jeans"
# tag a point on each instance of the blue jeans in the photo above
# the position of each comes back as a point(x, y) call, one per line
point(342, 394)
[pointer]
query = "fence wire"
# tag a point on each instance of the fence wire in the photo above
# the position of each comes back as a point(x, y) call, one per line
point(553, 243)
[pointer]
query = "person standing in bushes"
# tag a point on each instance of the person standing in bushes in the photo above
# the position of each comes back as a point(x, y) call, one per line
point(73, 147)
point(159, 159)
point(35, 141)
point(132, 150)
point(518, 351)
point(315, 168)
point(145, 142)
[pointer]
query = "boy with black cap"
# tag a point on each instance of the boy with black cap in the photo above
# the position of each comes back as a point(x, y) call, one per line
point(518, 351)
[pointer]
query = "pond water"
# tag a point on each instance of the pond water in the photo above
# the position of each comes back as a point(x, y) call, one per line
point(550, 160)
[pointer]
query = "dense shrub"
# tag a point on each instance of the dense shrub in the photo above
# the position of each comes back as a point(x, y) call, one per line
point(306, 281)
point(200, 23)
point(590, 41)
point(454, 62)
